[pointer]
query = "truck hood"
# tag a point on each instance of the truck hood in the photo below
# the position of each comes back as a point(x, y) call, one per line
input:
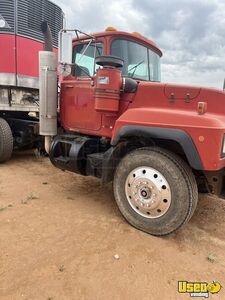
point(183, 97)
point(181, 92)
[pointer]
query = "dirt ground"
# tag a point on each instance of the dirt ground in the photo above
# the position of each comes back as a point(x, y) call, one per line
point(59, 233)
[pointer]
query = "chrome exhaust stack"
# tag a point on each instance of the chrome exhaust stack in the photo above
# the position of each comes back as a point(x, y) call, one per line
point(47, 89)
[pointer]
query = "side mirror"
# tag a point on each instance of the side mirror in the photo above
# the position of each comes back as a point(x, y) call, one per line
point(65, 47)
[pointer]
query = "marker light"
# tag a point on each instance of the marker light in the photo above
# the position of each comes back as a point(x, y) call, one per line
point(110, 28)
point(202, 106)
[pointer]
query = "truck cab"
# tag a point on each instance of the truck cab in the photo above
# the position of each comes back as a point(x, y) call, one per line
point(141, 59)
point(160, 144)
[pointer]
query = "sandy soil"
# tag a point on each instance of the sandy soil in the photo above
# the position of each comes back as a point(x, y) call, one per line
point(59, 233)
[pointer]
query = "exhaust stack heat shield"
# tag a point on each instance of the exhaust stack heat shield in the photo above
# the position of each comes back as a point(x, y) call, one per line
point(48, 93)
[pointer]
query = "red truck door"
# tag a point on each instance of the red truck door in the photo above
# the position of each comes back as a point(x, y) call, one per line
point(77, 95)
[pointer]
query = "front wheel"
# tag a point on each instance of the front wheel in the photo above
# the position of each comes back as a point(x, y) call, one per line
point(155, 190)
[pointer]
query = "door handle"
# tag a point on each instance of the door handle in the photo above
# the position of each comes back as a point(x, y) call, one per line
point(68, 86)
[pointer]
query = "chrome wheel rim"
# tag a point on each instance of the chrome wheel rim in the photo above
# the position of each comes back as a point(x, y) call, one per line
point(148, 192)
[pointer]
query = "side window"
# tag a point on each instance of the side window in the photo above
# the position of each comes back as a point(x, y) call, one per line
point(84, 58)
point(154, 66)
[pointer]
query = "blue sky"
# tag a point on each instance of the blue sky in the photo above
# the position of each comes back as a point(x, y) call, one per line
point(190, 33)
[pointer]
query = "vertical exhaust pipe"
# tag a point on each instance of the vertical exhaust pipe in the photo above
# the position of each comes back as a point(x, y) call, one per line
point(47, 36)
point(47, 88)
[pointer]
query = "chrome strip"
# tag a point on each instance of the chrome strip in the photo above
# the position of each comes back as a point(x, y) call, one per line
point(27, 81)
point(20, 80)
point(7, 79)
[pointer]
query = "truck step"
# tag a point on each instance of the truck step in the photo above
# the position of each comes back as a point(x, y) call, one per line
point(94, 164)
point(69, 152)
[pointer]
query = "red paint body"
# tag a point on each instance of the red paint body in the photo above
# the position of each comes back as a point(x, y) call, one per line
point(154, 105)
point(8, 54)
point(19, 55)
point(27, 56)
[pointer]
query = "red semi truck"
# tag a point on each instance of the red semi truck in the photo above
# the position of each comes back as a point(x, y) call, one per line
point(21, 39)
point(159, 143)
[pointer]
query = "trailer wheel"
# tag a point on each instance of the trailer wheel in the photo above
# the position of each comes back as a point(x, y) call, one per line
point(6, 141)
point(155, 190)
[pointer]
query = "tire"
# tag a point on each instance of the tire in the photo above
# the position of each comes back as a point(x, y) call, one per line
point(6, 141)
point(155, 190)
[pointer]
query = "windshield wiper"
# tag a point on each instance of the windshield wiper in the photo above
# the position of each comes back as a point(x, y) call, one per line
point(134, 68)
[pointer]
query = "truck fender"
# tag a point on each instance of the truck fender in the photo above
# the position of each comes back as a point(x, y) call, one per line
point(177, 135)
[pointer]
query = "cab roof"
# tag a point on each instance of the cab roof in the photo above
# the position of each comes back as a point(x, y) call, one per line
point(115, 33)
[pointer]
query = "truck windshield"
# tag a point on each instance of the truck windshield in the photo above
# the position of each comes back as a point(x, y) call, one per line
point(140, 62)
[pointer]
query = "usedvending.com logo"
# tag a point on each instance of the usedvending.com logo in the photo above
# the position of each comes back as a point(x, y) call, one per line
point(199, 289)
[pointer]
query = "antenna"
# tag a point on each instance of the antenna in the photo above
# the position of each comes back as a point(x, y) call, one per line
point(224, 85)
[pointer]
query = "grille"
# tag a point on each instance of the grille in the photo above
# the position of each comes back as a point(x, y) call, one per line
point(30, 14)
point(7, 9)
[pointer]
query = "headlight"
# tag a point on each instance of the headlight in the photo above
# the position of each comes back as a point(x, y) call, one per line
point(223, 147)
